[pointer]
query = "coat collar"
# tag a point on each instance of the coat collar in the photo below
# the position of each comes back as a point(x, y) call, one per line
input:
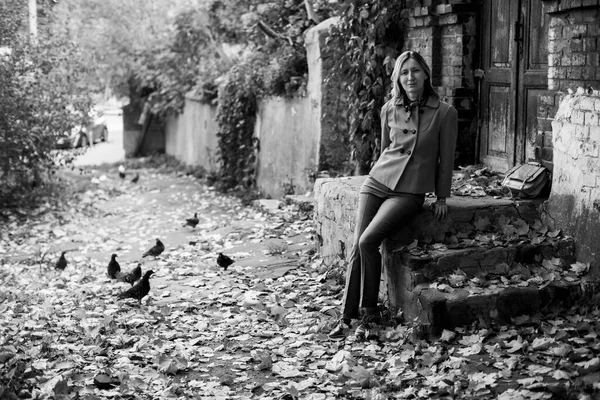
point(432, 101)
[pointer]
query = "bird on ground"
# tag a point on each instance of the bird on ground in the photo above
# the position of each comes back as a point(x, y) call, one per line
point(113, 268)
point(224, 261)
point(192, 221)
point(61, 263)
point(132, 276)
point(135, 178)
point(155, 250)
point(122, 172)
point(139, 290)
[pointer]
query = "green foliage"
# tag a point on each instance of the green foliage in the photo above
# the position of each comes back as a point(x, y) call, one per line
point(236, 116)
point(37, 83)
point(368, 39)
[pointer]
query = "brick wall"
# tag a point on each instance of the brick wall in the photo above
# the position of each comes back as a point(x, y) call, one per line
point(446, 36)
point(573, 61)
point(574, 204)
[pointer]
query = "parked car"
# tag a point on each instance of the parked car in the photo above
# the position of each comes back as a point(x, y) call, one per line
point(83, 135)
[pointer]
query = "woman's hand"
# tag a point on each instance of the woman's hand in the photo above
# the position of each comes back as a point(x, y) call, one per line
point(440, 209)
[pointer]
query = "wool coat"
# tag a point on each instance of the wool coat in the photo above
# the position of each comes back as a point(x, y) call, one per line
point(417, 154)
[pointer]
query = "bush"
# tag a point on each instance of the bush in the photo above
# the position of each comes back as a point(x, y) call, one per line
point(38, 98)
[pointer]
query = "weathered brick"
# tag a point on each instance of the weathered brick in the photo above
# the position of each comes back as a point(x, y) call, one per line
point(582, 132)
point(591, 149)
point(590, 17)
point(545, 124)
point(597, 105)
point(554, 73)
point(556, 21)
point(586, 103)
point(588, 73)
point(587, 3)
point(592, 118)
point(588, 180)
point(593, 60)
point(548, 139)
point(577, 59)
point(555, 33)
point(590, 44)
point(576, 45)
point(593, 28)
point(556, 46)
point(594, 133)
point(578, 117)
point(546, 99)
point(448, 19)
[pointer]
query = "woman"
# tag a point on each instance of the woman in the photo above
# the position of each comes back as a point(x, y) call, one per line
point(418, 140)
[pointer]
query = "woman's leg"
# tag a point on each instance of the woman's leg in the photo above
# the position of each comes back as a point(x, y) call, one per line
point(393, 213)
point(368, 204)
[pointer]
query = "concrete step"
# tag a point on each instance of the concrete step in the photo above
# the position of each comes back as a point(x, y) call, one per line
point(426, 265)
point(336, 199)
point(445, 288)
point(436, 309)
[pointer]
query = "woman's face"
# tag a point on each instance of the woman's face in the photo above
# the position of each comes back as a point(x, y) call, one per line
point(412, 78)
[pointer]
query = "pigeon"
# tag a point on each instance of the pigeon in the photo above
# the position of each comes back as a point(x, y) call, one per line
point(224, 261)
point(192, 221)
point(139, 290)
point(61, 264)
point(155, 251)
point(113, 267)
point(135, 178)
point(133, 276)
point(122, 172)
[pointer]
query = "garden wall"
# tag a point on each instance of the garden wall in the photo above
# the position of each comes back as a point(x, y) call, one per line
point(191, 136)
point(574, 203)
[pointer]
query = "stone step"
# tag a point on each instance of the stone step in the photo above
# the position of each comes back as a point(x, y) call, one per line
point(416, 265)
point(455, 287)
point(435, 310)
point(336, 199)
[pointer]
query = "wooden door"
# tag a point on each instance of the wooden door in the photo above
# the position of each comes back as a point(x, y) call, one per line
point(532, 76)
point(514, 60)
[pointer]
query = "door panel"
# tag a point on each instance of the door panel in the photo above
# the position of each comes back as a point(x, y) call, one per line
point(514, 59)
point(498, 100)
point(533, 75)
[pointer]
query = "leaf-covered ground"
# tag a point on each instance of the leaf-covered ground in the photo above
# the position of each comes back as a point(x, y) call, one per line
point(255, 331)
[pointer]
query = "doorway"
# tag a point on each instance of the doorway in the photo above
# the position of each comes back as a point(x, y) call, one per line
point(515, 65)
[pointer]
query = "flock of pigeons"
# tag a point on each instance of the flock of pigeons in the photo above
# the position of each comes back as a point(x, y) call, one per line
point(140, 284)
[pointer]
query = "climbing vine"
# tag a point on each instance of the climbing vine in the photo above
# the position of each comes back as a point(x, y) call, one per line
point(236, 116)
point(368, 38)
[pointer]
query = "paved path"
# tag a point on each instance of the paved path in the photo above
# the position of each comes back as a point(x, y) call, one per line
point(109, 152)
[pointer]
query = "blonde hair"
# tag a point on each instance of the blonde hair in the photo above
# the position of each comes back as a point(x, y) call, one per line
point(398, 93)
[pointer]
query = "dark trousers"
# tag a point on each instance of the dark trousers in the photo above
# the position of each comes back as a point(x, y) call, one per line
point(376, 219)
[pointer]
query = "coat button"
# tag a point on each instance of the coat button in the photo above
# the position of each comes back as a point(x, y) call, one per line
point(414, 131)
point(405, 130)
point(408, 152)
point(401, 151)
point(421, 111)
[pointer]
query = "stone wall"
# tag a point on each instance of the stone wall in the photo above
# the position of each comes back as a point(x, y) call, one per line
point(573, 61)
point(191, 136)
point(574, 204)
point(288, 147)
point(446, 36)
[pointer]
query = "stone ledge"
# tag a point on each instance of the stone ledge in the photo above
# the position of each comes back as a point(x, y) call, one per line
point(336, 200)
point(473, 260)
point(439, 310)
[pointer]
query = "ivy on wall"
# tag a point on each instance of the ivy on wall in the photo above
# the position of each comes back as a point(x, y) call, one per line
point(236, 116)
point(367, 39)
